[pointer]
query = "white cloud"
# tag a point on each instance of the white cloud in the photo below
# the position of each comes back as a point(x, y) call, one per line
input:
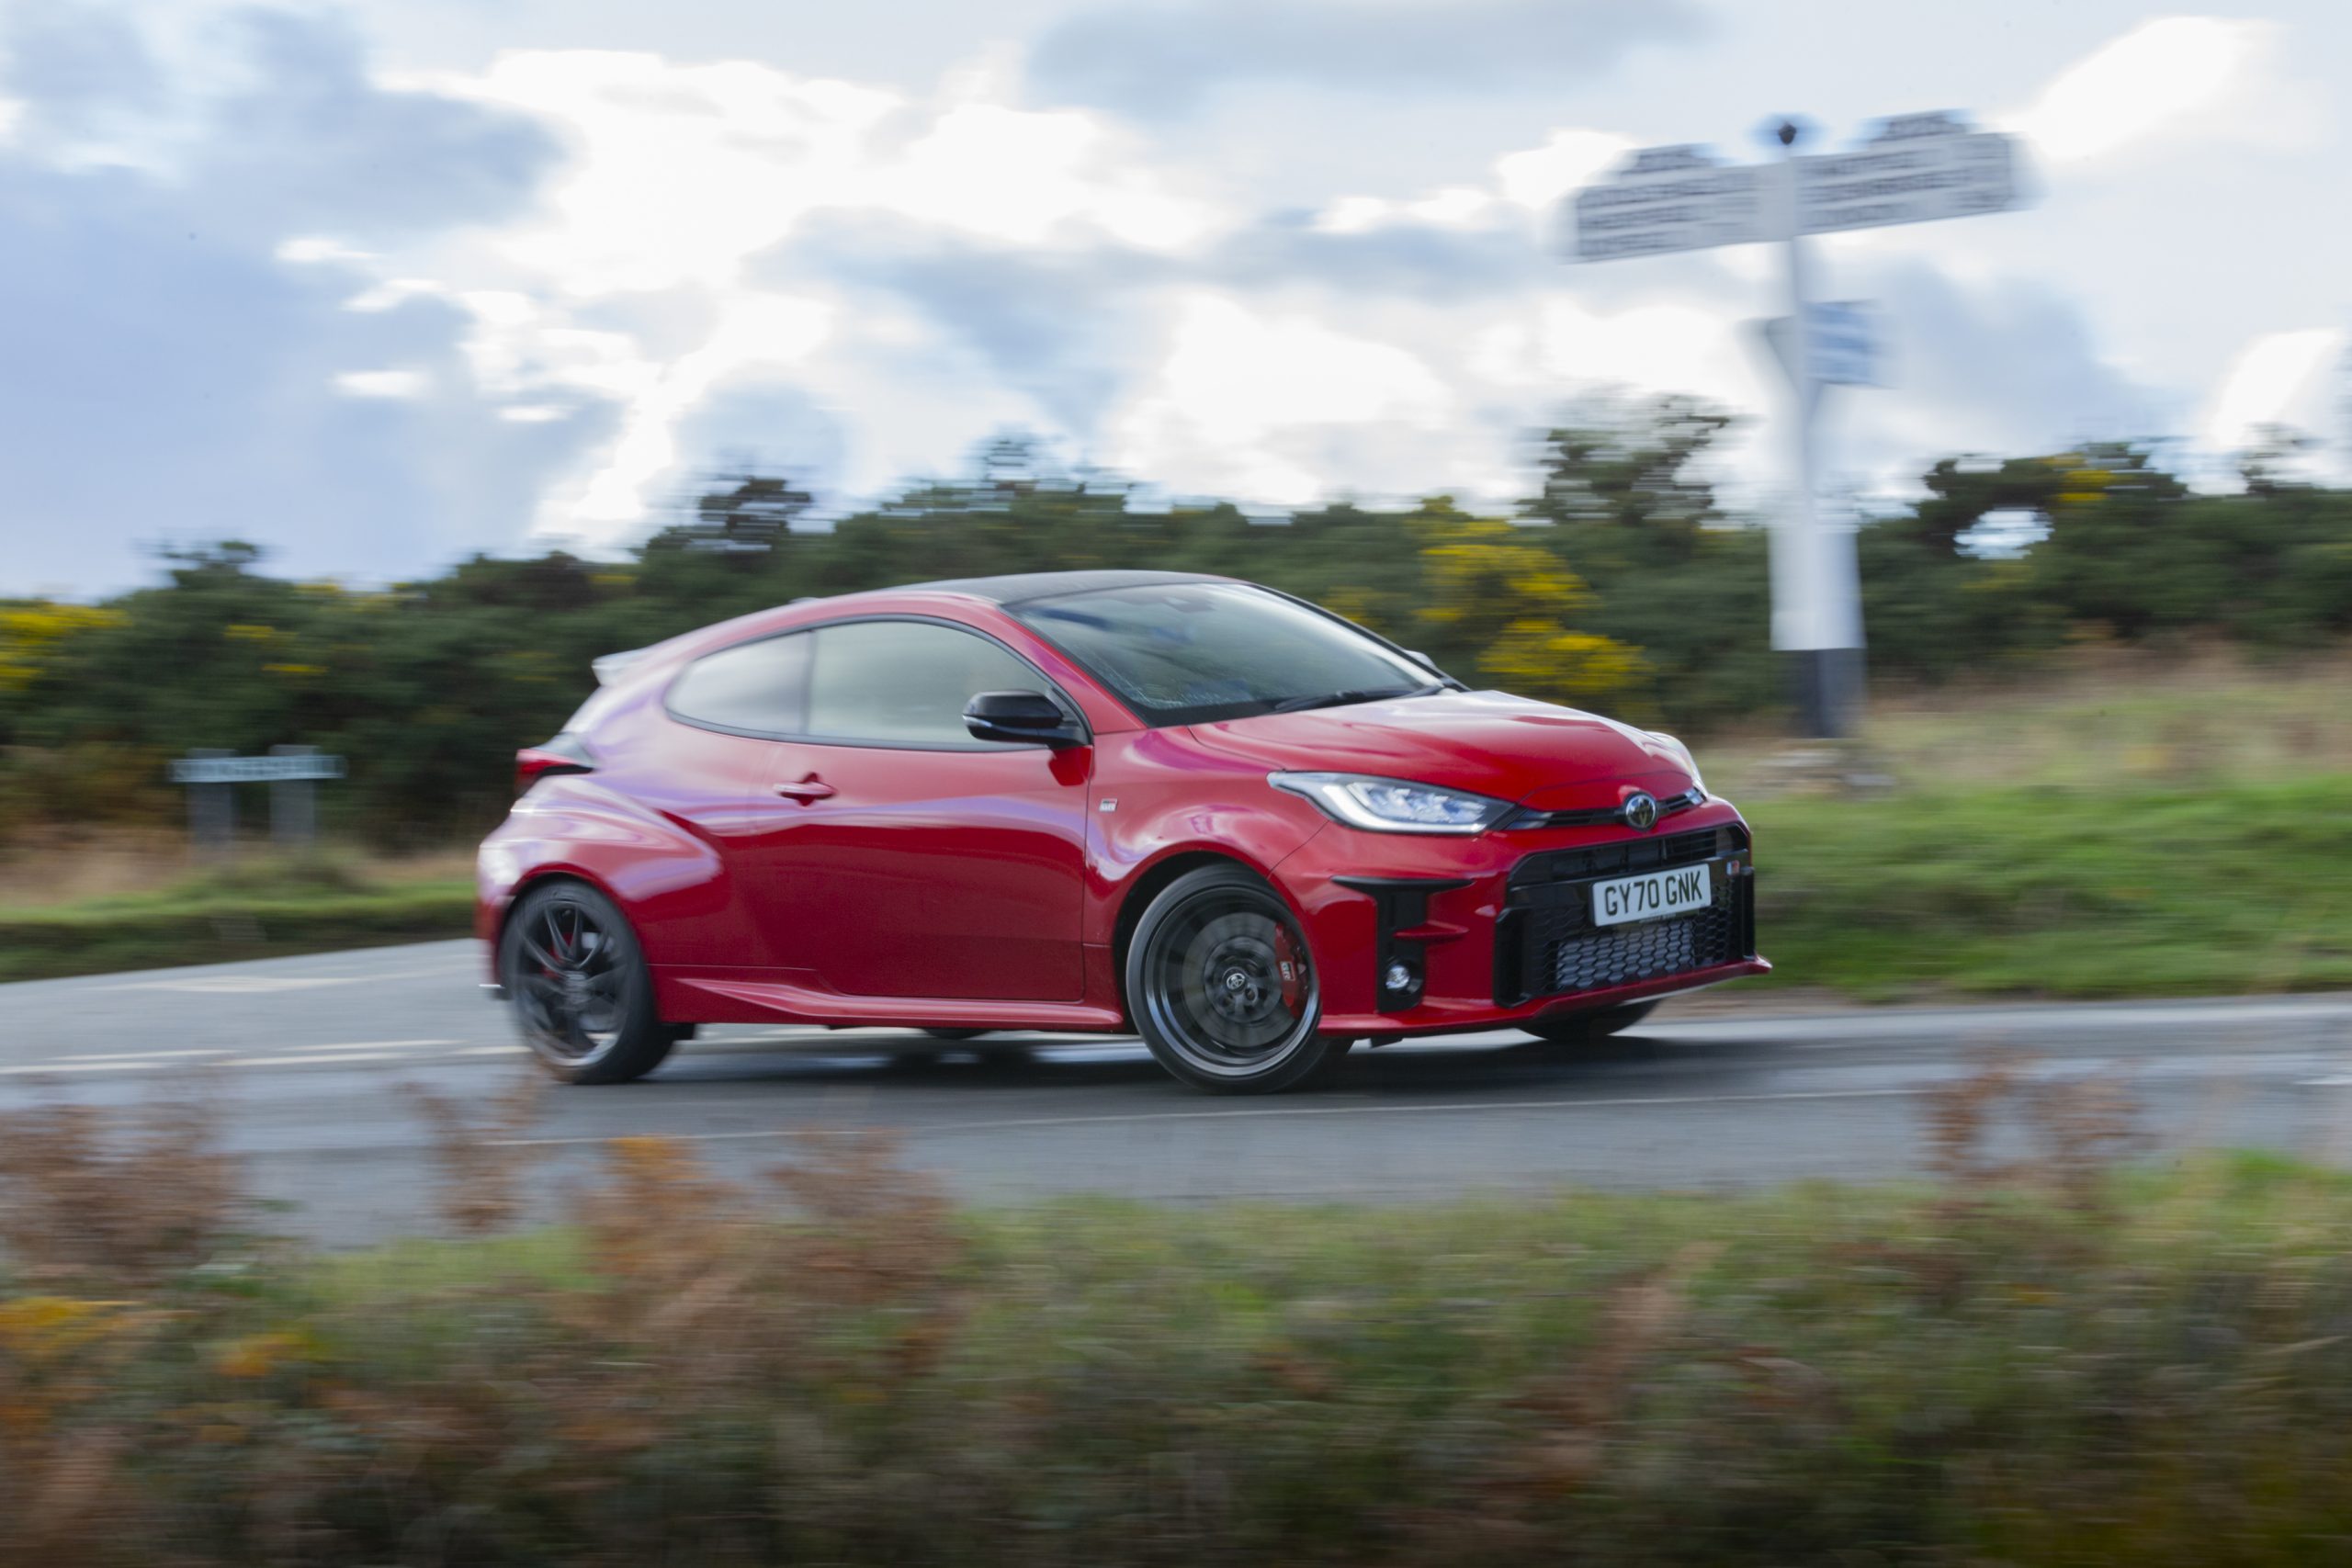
point(758, 332)
point(1540, 175)
point(2279, 378)
point(2174, 77)
point(309, 250)
point(1536, 178)
point(1244, 401)
point(680, 174)
point(398, 385)
point(1453, 207)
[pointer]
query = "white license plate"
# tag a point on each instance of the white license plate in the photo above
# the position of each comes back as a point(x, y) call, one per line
point(1652, 897)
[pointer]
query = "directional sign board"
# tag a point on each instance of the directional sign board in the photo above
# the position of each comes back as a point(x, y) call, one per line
point(1671, 199)
point(1913, 169)
point(1846, 348)
point(255, 770)
point(1918, 168)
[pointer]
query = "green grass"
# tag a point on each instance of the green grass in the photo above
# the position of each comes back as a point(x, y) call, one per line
point(2089, 891)
point(2065, 889)
point(265, 912)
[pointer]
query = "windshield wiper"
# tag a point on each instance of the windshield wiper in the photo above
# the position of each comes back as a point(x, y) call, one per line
point(1341, 699)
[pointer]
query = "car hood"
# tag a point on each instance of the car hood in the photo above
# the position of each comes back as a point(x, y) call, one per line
point(1490, 743)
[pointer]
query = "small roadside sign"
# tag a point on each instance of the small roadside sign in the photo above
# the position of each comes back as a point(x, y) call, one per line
point(208, 770)
point(291, 771)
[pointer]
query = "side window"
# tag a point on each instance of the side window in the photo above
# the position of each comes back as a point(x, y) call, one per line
point(753, 686)
point(894, 682)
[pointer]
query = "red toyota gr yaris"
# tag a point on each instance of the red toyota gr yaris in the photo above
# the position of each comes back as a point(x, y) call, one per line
point(1186, 806)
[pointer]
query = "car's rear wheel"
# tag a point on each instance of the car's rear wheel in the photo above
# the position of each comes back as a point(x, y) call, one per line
point(579, 988)
point(1588, 1028)
point(1221, 987)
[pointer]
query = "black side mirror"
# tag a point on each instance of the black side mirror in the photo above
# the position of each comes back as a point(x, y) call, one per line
point(1032, 716)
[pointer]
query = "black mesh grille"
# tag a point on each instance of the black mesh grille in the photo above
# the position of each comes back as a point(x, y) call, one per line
point(1547, 945)
point(1627, 856)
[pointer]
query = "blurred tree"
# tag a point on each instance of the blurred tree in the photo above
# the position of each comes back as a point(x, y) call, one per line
point(1622, 585)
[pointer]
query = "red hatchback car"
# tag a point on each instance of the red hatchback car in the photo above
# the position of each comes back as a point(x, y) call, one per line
point(1181, 806)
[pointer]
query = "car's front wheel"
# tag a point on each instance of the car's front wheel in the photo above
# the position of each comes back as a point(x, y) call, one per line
point(579, 988)
point(1222, 987)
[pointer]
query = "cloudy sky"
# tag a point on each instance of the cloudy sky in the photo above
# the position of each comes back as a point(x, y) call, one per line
point(381, 283)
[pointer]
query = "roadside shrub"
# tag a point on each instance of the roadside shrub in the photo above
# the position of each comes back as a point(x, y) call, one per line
point(2040, 1357)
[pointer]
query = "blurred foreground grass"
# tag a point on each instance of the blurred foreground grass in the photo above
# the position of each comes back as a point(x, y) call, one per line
point(2043, 1358)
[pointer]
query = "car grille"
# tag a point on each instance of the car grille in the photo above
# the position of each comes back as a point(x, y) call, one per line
point(1546, 945)
point(1594, 817)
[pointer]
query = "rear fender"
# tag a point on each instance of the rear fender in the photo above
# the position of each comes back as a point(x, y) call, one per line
point(672, 886)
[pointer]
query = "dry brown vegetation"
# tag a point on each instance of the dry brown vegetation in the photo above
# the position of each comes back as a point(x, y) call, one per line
point(2041, 1357)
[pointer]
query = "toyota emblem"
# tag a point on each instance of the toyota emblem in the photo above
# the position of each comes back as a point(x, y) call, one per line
point(1641, 810)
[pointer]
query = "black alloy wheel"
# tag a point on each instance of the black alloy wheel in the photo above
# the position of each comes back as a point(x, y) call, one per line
point(580, 988)
point(1222, 987)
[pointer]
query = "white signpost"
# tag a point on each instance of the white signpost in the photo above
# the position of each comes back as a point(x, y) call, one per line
point(1917, 168)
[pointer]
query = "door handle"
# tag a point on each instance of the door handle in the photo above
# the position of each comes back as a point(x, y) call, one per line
point(810, 788)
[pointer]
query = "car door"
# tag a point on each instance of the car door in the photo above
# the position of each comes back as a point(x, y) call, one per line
point(703, 761)
point(904, 857)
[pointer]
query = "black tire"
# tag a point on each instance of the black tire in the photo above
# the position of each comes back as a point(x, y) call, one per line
point(1588, 1028)
point(955, 1033)
point(579, 987)
point(1221, 986)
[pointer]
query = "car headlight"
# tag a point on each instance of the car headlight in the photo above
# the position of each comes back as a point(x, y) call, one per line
point(1690, 763)
point(1394, 805)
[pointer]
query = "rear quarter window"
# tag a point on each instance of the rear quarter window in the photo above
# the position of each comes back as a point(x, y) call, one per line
point(761, 687)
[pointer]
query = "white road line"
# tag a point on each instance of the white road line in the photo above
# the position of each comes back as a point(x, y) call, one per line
point(128, 1061)
point(489, 1051)
point(143, 1055)
point(254, 985)
point(340, 1056)
point(1284, 1110)
point(1868, 1026)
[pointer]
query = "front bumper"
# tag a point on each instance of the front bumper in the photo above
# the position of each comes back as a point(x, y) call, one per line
point(1495, 927)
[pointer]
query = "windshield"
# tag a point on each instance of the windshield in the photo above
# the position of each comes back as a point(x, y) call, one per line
point(1195, 652)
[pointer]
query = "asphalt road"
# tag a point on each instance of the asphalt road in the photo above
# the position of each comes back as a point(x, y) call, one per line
point(306, 1059)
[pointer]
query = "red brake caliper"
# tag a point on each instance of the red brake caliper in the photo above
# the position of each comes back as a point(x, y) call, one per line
point(1292, 965)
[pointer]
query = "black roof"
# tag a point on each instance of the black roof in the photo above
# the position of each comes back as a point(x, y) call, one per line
point(1018, 587)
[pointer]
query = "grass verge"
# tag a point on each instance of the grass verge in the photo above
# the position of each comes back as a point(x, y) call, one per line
point(2047, 1362)
point(265, 912)
point(2062, 892)
point(2068, 891)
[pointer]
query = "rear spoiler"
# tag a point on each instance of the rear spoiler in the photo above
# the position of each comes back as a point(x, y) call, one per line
point(609, 668)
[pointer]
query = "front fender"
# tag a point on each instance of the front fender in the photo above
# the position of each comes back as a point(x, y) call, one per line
point(1158, 797)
